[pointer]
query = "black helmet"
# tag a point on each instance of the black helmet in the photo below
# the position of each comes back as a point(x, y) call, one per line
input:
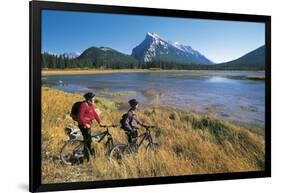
point(89, 95)
point(133, 102)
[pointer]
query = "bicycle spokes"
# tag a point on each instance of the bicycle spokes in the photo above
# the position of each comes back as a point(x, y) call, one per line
point(72, 151)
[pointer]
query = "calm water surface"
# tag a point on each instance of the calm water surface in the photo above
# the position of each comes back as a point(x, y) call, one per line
point(229, 95)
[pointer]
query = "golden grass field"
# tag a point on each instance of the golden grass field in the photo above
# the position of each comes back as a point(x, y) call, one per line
point(190, 143)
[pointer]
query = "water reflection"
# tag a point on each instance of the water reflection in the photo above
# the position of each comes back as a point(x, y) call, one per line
point(229, 95)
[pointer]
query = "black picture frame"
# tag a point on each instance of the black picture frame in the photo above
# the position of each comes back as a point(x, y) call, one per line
point(35, 184)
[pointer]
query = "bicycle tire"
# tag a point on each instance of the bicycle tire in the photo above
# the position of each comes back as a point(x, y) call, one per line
point(152, 146)
point(109, 145)
point(68, 150)
point(118, 151)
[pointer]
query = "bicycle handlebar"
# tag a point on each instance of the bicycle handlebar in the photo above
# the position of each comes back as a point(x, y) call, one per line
point(145, 126)
point(148, 126)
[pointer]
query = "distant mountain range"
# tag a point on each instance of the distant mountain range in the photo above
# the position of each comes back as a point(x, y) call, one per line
point(105, 55)
point(152, 52)
point(153, 47)
point(70, 55)
point(252, 60)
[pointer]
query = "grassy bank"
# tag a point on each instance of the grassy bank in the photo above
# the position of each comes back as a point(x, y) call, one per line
point(189, 143)
point(255, 77)
point(49, 72)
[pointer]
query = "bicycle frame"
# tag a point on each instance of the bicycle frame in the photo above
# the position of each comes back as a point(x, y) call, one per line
point(86, 151)
point(145, 136)
point(102, 135)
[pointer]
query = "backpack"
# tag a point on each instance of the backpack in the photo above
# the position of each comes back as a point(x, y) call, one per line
point(123, 121)
point(75, 109)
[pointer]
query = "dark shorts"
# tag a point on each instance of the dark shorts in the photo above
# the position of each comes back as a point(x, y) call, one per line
point(132, 135)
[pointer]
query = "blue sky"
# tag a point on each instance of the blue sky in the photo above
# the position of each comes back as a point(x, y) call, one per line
point(220, 41)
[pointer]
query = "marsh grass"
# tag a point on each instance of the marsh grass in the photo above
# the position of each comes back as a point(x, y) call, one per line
point(190, 143)
point(256, 77)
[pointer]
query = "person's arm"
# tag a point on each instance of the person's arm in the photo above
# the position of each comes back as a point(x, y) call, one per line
point(137, 120)
point(96, 116)
point(82, 111)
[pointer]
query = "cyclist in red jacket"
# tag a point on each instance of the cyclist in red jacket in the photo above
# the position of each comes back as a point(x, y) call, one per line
point(86, 115)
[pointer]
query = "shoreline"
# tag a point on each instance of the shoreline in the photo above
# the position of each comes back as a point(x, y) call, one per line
point(47, 72)
point(169, 108)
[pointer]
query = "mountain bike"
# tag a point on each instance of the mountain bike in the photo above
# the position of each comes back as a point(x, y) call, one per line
point(119, 150)
point(74, 150)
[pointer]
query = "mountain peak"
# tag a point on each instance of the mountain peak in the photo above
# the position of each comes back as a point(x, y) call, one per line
point(153, 47)
point(153, 35)
point(105, 48)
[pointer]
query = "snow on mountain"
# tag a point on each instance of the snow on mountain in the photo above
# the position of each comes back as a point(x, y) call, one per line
point(105, 48)
point(71, 55)
point(153, 47)
point(51, 53)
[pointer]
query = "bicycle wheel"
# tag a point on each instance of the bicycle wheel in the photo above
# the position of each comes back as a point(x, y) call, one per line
point(118, 151)
point(72, 152)
point(152, 146)
point(108, 147)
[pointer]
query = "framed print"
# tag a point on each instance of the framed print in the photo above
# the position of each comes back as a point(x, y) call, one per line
point(125, 96)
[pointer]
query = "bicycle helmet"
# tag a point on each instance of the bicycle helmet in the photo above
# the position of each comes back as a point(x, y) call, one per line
point(133, 102)
point(89, 95)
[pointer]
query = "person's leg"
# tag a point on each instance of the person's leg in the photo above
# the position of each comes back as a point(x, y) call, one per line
point(132, 139)
point(85, 134)
point(129, 137)
point(134, 135)
point(89, 140)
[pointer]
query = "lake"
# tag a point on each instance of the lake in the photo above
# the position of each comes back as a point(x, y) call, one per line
point(228, 95)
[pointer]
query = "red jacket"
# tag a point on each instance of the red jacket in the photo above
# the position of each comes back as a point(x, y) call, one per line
point(87, 114)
